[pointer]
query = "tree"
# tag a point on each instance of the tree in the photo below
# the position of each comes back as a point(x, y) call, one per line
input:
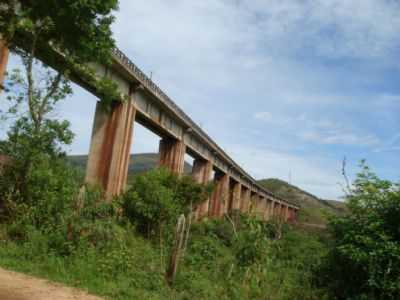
point(66, 35)
point(35, 139)
point(364, 262)
point(79, 29)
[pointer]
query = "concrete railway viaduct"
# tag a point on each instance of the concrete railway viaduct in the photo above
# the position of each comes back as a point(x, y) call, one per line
point(148, 105)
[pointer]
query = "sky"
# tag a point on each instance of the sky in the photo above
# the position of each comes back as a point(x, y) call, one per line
point(288, 88)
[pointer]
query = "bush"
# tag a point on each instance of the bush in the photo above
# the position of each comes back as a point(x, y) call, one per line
point(157, 198)
point(364, 262)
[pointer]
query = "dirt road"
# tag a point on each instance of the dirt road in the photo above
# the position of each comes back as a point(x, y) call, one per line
point(15, 286)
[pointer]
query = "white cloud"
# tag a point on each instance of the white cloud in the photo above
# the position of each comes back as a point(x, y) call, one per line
point(319, 131)
point(340, 138)
point(263, 116)
point(312, 174)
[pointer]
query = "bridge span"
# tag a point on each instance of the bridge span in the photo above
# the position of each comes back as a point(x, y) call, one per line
point(148, 105)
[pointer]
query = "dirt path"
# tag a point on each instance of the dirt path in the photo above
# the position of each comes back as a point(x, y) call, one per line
point(15, 286)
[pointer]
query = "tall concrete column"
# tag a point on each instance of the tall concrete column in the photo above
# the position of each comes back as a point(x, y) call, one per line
point(245, 203)
point(4, 53)
point(110, 147)
point(283, 212)
point(272, 210)
point(267, 208)
point(219, 198)
point(268, 214)
point(253, 203)
point(202, 170)
point(172, 155)
point(277, 210)
point(287, 216)
point(263, 208)
point(236, 196)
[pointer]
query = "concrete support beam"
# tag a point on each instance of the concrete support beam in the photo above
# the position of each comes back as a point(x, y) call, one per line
point(272, 209)
point(253, 204)
point(236, 196)
point(4, 53)
point(219, 198)
point(283, 212)
point(110, 147)
point(245, 202)
point(172, 155)
point(266, 209)
point(286, 212)
point(201, 173)
point(277, 210)
point(269, 212)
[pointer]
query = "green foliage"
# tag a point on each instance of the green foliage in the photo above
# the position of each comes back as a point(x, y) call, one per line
point(364, 262)
point(85, 26)
point(157, 198)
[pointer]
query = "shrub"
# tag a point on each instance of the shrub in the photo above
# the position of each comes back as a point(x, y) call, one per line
point(157, 198)
point(364, 262)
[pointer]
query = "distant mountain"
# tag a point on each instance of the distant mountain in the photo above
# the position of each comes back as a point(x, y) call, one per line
point(139, 163)
point(314, 209)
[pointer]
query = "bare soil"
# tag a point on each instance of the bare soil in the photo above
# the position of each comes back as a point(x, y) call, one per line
point(15, 286)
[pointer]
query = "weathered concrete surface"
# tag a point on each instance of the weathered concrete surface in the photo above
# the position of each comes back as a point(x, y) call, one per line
point(110, 147)
point(236, 196)
point(172, 155)
point(4, 53)
point(267, 211)
point(277, 210)
point(219, 198)
point(245, 203)
point(202, 170)
point(16, 286)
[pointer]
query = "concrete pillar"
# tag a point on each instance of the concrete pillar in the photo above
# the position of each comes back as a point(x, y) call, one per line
point(277, 210)
point(266, 210)
point(283, 212)
point(268, 214)
point(110, 147)
point(201, 173)
point(272, 210)
point(172, 155)
point(236, 196)
point(263, 208)
point(219, 198)
point(245, 202)
point(287, 216)
point(253, 204)
point(4, 53)
point(291, 215)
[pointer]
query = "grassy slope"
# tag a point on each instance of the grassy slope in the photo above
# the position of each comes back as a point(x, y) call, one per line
point(314, 210)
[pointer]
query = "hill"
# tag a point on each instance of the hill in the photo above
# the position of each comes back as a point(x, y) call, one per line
point(139, 163)
point(314, 210)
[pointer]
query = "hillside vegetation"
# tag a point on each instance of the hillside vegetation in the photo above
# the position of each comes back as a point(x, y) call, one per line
point(313, 209)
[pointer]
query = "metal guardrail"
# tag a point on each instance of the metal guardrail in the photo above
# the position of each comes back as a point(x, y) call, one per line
point(149, 84)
